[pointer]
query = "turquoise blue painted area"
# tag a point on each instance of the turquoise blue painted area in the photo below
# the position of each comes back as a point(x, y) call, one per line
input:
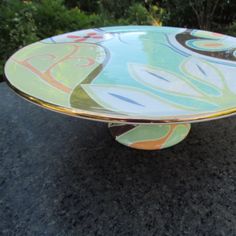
point(158, 59)
point(147, 28)
point(205, 88)
point(148, 47)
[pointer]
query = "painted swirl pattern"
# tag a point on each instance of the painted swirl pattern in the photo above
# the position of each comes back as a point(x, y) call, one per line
point(149, 137)
point(130, 72)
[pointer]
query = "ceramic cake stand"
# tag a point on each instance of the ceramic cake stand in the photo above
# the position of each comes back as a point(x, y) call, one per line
point(149, 83)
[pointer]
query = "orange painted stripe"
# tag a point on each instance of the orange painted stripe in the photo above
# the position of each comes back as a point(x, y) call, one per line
point(211, 45)
point(47, 76)
point(155, 144)
point(217, 34)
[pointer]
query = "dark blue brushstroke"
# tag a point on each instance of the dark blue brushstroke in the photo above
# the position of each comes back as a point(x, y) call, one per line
point(200, 68)
point(99, 30)
point(157, 76)
point(175, 48)
point(222, 63)
point(125, 99)
point(52, 40)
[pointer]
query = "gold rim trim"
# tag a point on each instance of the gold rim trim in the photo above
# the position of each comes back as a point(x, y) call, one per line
point(119, 119)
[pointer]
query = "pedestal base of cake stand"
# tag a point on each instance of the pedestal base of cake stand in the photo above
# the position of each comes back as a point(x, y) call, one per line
point(149, 137)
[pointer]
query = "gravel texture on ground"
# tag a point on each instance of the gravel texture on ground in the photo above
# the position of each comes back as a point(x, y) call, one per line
point(61, 175)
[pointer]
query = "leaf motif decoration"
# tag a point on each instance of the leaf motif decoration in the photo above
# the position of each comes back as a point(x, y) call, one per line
point(130, 101)
point(229, 78)
point(170, 87)
point(161, 79)
point(204, 72)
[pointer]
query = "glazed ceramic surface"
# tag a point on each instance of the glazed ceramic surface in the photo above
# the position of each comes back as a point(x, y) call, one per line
point(136, 74)
point(149, 137)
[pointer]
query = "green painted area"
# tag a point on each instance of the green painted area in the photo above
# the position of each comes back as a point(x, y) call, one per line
point(180, 132)
point(35, 85)
point(144, 133)
point(68, 64)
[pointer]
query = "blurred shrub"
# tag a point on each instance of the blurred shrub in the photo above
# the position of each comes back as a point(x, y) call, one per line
point(114, 9)
point(52, 17)
point(159, 15)
point(139, 15)
point(231, 30)
point(18, 28)
point(135, 14)
point(85, 5)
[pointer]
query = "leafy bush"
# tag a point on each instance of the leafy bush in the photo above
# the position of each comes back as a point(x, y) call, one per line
point(52, 17)
point(139, 15)
point(18, 29)
point(136, 14)
point(159, 15)
point(232, 29)
point(114, 9)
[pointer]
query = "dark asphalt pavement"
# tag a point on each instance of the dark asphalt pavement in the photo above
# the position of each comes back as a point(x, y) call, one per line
point(65, 176)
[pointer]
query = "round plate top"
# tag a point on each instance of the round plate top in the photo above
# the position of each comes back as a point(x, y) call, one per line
point(130, 74)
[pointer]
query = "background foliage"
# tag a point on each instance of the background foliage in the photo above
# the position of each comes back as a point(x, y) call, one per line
point(23, 22)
